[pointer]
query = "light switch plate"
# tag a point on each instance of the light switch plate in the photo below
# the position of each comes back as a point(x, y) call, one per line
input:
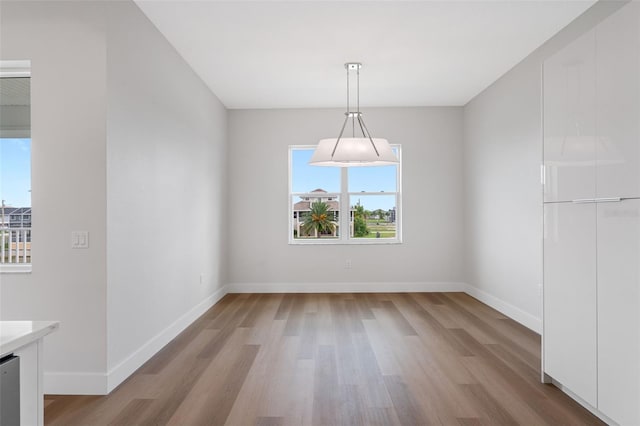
point(79, 239)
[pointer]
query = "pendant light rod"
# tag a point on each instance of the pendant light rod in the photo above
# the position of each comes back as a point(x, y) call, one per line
point(357, 115)
point(367, 134)
point(340, 135)
point(348, 109)
point(358, 82)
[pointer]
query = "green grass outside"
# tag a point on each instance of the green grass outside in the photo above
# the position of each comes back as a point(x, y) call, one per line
point(386, 229)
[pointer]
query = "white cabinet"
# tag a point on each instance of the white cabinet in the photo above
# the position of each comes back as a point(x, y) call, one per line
point(618, 311)
point(570, 297)
point(569, 121)
point(618, 104)
point(24, 340)
point(591, 336)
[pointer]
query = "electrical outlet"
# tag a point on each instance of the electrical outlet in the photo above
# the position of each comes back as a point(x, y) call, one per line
point(347, 264)
point(201, 278)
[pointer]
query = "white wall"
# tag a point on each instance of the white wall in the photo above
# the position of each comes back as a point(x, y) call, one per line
point(260, 257)
point(503, 193)
point(128, 144)
point(166, 169)
point(66, 45)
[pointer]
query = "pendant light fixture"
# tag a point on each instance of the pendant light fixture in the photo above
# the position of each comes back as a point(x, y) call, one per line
point(353, 151)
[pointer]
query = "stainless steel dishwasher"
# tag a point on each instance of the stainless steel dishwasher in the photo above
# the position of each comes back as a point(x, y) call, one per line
point(10, 391)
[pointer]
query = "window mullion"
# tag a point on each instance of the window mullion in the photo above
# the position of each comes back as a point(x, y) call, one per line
point(345, 203)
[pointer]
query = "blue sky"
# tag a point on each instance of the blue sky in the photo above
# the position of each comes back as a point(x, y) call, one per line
point(15, 172)
point(306, 178)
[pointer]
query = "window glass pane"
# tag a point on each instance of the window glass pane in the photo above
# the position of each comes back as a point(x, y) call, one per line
point(372, 216)
point(373, 179)
point(15, 192)
point(316, 216)
point(306, 178)
point(15, 172)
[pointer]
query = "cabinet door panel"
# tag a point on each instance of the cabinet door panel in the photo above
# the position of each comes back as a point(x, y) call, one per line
point(570, 297)
point(618, 104)
point(619, 311)
point(569, 121)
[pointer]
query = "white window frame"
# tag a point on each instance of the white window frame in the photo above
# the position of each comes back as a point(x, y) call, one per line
point(16, 69)
point(344, 197)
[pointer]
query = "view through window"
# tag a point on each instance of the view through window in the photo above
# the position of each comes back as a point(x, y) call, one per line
point(342, 205)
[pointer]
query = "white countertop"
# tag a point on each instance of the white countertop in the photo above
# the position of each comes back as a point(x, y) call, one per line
point(16, 334)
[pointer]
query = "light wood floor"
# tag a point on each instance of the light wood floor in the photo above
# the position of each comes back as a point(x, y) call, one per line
point(337, 359)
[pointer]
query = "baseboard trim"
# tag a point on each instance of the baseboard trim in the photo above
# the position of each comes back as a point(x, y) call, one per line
point(124, 369)
point(71, 383)
point(531, 322)
point(346, 287)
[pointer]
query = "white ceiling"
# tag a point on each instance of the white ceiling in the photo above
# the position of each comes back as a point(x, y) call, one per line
point(290, 54)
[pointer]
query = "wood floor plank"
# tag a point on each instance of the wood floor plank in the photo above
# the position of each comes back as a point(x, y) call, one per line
point(400, 322)
point(352, 410)
point(296, 315)
point(290, 386)
point(325, 397)
point(272, 386)
point(270, 421)
point(352, 312)
point(133, 413)
point(211, 402)
point(256, 312)
point(364, 307)
point(469, 421)
point(406, 407)
point(433, 324)
point(381, 417)
point(382, 348)
point(166, 406)
point(308, 336)
point(439, 349)
point(372, 300)
point(238, 315)
point(491, 410)
point(285, 306)
point(330, 359)
point(223, 316)
point(62, 408)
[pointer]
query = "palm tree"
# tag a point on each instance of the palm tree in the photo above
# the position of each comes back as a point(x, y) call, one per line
point(318, 219)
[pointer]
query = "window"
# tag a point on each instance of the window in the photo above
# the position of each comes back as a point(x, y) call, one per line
point(343, 205)
point(15, 168)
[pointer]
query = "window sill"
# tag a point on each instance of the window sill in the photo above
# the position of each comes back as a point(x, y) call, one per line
point(15, 269)
point(363, 242)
